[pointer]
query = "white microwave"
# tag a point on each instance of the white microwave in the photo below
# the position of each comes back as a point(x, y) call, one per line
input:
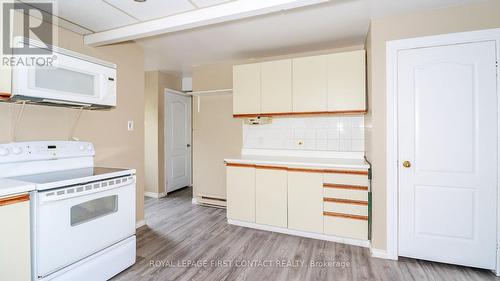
point(73, 79)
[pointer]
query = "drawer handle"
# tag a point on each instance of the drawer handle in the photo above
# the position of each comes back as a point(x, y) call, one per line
point(345, 201)
point(347, 216)
point(345, 186)
point(14, 199)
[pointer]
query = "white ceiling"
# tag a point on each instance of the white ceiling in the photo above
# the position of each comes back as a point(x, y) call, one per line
point(301, 30)
point(323, 26)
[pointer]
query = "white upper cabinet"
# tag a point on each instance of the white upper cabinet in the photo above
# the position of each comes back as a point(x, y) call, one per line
point(346, 81)
point(276, 87)
point(5, 77)
point(5, 81)
point(316, 85)
point(310, 84)
point(246, 88)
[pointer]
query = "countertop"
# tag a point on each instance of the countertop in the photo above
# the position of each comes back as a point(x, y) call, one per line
point(309, 162)
point(11, 187)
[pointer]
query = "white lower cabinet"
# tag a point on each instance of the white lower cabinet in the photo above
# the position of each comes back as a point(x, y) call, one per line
point(305, 201)
point(271, 197)
point(241, 193)
point(328, 204)
point(15, 255)
point(346, 227)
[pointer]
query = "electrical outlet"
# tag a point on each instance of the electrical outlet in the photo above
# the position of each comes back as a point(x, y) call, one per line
point(130, 125)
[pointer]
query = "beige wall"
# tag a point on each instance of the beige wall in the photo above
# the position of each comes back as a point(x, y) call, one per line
point(154, 105)
point(151, 131)
point(115, 145)
point(455, 19)
point(216, 134)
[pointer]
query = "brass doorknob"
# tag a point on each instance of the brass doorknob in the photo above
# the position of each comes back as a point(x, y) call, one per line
point(406, 164)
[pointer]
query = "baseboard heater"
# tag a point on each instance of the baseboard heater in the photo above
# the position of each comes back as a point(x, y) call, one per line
point(211, 201)
point(213, 198)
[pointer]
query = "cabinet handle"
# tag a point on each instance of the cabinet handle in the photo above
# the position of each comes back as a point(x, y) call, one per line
point(14, 199)
point(346, 216)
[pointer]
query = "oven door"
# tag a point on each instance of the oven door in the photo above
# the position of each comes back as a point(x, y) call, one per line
point(73, 225)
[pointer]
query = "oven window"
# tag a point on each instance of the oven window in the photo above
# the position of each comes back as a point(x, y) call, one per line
point(93, 209)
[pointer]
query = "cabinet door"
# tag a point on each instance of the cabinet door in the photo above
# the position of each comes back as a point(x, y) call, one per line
point(305, 201)
point(241, 193)
point(309, 84)
point(246, 88)
point(346, 81)
point(5, 72)
point(276, 90)
point(271, 197)
point(5, 79)
point(15, 263)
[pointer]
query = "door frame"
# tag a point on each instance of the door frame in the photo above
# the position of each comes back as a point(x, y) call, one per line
point(392, 143)
point(165, 116)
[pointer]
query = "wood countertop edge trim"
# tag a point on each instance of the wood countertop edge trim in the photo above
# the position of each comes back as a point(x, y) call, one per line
point(347, 216)
point(305, 170)
point(271, 114)
point(240, 165)
point(9, 200)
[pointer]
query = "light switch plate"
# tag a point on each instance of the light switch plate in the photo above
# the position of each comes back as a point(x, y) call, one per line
point(130, 125)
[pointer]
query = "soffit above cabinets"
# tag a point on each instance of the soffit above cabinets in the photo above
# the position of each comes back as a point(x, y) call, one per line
point(89, 16)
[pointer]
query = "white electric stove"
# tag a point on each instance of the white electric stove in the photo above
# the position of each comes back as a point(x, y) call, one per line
point(83, 217)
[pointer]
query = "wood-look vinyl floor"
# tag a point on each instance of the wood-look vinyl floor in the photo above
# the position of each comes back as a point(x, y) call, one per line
point(183, 241)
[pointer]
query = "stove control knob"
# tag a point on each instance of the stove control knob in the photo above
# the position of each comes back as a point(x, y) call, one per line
point(82, 147)
point(89, 148)
point(17, 150)
point(4, 151)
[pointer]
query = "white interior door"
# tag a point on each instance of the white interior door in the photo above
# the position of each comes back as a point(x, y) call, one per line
point(178, 141)
point(447, 114)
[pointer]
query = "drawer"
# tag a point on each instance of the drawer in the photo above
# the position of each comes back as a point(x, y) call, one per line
point(346, 179)
point(345, 208)
point(352, 194)
point(346, 227)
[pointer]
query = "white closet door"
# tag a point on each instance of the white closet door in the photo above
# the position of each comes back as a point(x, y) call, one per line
point(448, 134)
point(178, 141)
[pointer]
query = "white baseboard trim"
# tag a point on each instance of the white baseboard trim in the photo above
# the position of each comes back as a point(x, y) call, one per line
point(194, 201)
point(381, 254)
point(154, 194)
point(140, 224)
point(343, 240)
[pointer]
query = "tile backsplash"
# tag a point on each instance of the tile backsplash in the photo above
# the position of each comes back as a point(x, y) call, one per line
point(312, 133)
